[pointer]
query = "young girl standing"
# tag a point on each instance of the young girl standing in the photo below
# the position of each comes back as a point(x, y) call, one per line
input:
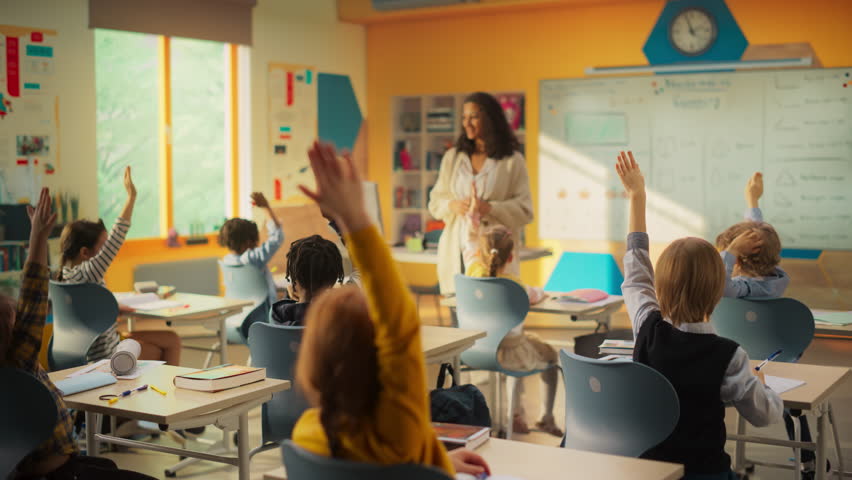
point(87, 252)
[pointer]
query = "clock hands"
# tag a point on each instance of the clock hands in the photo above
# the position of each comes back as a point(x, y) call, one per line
point(689, 24)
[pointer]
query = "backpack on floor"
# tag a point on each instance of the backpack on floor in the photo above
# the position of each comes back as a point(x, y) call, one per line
point(460, 404)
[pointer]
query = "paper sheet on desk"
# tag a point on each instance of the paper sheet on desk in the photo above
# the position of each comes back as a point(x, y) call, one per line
point(780, 384)
point(145, 301)
point(103, 366)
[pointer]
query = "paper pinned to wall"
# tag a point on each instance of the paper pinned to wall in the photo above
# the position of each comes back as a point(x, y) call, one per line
point(291, 124)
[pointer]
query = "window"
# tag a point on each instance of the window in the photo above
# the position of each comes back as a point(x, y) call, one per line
point(164, 107)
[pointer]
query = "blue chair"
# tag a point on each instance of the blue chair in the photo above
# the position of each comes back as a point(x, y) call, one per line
point(762, 326)
point(276, 348)
point(577, 270)
point(304, 465)
point(245, 282)
point(81, 312)
point(496, 305)
point(616, 407)
point(27, 417)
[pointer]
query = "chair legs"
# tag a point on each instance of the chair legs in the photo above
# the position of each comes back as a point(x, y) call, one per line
point(512, 394)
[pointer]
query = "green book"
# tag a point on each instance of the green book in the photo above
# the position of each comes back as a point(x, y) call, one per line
point(834, 318)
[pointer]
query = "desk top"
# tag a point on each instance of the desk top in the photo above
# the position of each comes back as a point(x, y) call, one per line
point(441, 340)
point(430, 255)
point(197, 306)
point(550, 305)
point(179, 404)
point(539, 462)
point(827, 329)
point(820, 382)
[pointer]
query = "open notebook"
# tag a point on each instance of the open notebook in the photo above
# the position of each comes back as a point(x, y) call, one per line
point(780, 384)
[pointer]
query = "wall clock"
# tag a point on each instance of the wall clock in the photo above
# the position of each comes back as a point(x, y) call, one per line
point(693, 31)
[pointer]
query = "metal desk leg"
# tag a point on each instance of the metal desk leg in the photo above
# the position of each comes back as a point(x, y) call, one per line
point(739, 455)
point(820, 443)
point(243, 447)
point(797, 451)
point(457, 369)
point(840, 466)
point(91, 429)
point(223, 341)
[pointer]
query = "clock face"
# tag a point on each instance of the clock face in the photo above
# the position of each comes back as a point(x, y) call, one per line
point(693, 31)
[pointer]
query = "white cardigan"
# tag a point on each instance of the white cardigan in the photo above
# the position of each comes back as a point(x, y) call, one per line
point(507, 190)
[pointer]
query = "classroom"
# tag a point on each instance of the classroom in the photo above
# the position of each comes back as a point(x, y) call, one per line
point(252, 239)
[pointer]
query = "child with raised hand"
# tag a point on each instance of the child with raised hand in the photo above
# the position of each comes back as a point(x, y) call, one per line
point(673, 335)
point(242, 237)
point(21, 330)
point(314, 265)
point(87, 253)
point(751, 251)
point(361, 362)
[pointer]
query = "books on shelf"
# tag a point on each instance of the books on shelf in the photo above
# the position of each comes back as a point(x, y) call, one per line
point(12, 256)
point(409, 122)
point(616, 347)
point(406, 197)
point(461, 436)
point(222, 377)
point(440, 119)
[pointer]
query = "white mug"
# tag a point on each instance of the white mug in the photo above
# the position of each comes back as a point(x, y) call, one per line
point(123, 361)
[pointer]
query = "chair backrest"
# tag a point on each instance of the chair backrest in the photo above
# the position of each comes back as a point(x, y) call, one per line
point(246, 282)
point(577, 270)
point(27, 417)
point(762, 326)
point(616, 407)
point(496, 305)
point(276, 348)
point(81, 312)
point(304, 465)
point(197, 275)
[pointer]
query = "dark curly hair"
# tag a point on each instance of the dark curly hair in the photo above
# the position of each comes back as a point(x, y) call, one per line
point(500, 140)
point(239, 234)
point(315, 264)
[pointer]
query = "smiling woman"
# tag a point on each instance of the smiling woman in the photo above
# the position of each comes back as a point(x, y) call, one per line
point(487, 155)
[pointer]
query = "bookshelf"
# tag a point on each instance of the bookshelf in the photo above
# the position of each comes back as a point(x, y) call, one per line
point(424, 128)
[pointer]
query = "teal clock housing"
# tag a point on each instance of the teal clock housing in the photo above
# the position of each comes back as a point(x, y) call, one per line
point(729, 45)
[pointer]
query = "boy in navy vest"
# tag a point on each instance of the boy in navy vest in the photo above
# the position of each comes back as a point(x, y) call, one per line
point(673, 335)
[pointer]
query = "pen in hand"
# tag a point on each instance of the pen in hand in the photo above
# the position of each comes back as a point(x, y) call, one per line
point(769, 359)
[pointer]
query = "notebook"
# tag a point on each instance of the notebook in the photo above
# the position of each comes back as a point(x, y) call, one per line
point(832, 318)
point(618, 347)
point(146, 301)
point(780, 384)
point(220, 378)
point(583, 295)
point(461, 436)
point(81, 383)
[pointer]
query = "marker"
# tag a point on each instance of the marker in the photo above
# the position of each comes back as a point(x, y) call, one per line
point(771, 357)
point(127, 393)
point(157, 390)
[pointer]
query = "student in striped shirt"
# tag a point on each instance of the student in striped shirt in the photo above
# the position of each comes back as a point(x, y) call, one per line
point(87, 252)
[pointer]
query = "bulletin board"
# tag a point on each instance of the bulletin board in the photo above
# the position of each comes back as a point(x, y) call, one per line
point(29, 111)
point(292, 126)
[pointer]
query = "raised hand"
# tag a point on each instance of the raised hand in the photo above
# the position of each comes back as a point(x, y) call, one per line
point(754, 189)
point(42, 216)
point(128, 183)
point(746, 243)
point(630, 175)
point(339, 190)
point(259, 200)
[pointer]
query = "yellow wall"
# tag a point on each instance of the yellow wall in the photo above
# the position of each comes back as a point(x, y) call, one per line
point(514, 50)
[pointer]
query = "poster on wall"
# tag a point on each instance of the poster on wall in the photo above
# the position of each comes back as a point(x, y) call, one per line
point(29, 111)
point(292, 126)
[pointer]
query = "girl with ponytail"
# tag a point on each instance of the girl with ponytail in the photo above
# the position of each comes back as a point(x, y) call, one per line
point(361, 364)
point(487, 254)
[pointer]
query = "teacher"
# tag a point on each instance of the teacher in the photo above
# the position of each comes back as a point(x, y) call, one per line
point(487, 153)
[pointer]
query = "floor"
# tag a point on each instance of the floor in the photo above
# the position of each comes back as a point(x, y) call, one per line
point(822, 351)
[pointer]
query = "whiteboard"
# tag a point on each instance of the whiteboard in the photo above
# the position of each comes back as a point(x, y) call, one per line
point(698, 137)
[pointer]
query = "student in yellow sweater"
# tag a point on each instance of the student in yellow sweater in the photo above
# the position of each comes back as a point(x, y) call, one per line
point(361, 364)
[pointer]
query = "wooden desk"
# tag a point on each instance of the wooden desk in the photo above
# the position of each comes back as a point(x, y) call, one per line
point(429, 256)
point(539, 462)
point(820, 382)
point(601, 312)
point(207, 310)
point(179, 409)
point(441, 344)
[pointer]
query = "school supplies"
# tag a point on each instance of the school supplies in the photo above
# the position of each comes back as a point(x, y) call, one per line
point(112, 398)
point(103, 366)
point(582, 295)
point(827, 317)
point(81, 383)
point(617, 347)
point(771, 357)
point(780, 385)
point(461, 436)
point(219, 378)
point(161, 392)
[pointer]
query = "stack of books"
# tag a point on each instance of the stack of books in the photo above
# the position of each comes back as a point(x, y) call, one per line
point(461, 436)
point(616, 347)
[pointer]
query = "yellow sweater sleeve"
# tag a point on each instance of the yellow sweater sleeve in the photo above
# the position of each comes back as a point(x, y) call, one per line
point(403, 428)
